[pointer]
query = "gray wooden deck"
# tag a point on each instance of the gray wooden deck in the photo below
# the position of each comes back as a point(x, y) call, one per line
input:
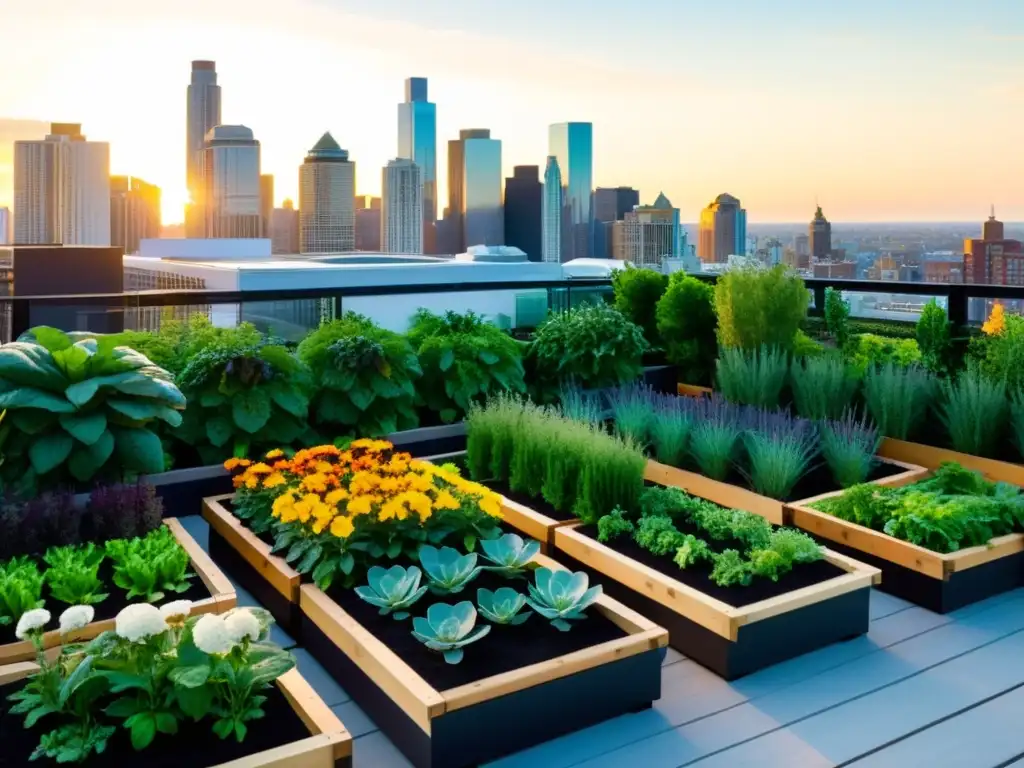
point(918, 690)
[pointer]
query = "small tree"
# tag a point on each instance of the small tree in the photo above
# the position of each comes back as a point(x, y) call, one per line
point(933, 338)
point(637, 292)
point(760, 306)
point(837, 315)
point(686, 323)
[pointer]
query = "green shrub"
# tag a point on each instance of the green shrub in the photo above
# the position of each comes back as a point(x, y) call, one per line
point(80, 407)
point(687, 324)
point(753, 376)
point(21, 589)
point(637, 292)
point(1017, 420)
point(177, 342)
point(805, 346)
point(823, 387)
point(837, 314)
point(933, 338)
point(760, 307)
point(366, 377)
point(594, 346)
point(867, 349)
point(1001, 353)
point(465, 359)
point(898, 398)
point(973, 409)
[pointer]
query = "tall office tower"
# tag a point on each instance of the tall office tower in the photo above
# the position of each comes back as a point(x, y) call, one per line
point(368, 214)
point(327, 199)
point(524, 210)
point(723, 230)
point(401, 224)
point(648, 234)
point(611, 204)
point(551, 228)
point(5, 225)
point(284, 229)
point(202, 115)
point(819, 232)
point(267, 202)
point(992, 259)
point(573, 145)
point(134, 212)
point(474, 189)
point(62, 189)
point(231, 183)
point(417, 141)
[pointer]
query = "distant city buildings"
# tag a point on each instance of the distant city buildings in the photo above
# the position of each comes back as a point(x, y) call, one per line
point(401, 227)
point(202, 115)
point(819, 233)
point(610, 205)
point(232, 201)
point(62, 189)
point(992, 259)
point(417, 141)
point(524, 211)
point(722, 230)
point(368, 219)
point(648, 234)
point(551, 213)
point(284, 229)
point(5, 225)
point(327, 189)
point(474, 190)
point(267, 202)
point(572, 144)
point(134, 212)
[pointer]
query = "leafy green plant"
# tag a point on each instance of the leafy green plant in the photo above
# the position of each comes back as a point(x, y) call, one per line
point(177, 342)
point(637, 292)
point(731, 569)
point(613, 525)
point(593, 345)
point(837, 314)
point(933, 338)
point(687, 325)
point(849, 446)
point(448, 629)
point(73, 574)
point(866, 350)
point(21, 589)
point(715, 436)
point(760, 307)
point(633, 410)
point(1000, 352)
point(561, 596)
point(898, 397)
point(393, 589)
point(81, 408)
point(804, 346)
point(670, 429)
point(448, 571)
point(779, 452)
point(1017, 419)
point(150, 566)
point(464, 359)
point(973, 409)
point(753, 376)
point(579, 405)
point(658, 535)
point(823, 387)
point(503, 606)
point(366, 376)
point(786, 548)
point(692, 551)
point(509, 553)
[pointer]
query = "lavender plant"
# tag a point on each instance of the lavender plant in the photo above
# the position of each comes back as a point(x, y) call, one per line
point(753, 377)
point(715, 435)
point(849, 445)
point(823, 387)
point(779, 451)
point(633, 409)
point(898, 397)
point(670, 428)
point(579, 405)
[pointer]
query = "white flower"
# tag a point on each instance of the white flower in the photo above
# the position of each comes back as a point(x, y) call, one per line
point(75, 618)
point(242, 624)
point(178, 609)
point(31, 621)
point(137, 622)
point(211, 635)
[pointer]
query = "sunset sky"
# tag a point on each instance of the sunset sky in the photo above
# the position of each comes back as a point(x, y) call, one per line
point(880, 109)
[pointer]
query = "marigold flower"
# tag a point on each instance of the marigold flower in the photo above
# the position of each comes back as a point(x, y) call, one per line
point(274, 454)
point(274, 480)
point(260, 469)
point(360, 505)
point(335, 496)
point(445, 500)
point(490, 505)
point(252, 481)
point(996, 322)
point(234, 462)
point(342, 527)
point(317, 483)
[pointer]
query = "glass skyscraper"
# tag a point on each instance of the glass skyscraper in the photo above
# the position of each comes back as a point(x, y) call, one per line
point(202, 114)
point(231, 176)
point(417, 141)
point(572, 145)
point(483, 218)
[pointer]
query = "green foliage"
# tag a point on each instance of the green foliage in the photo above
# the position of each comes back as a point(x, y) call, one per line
point(633, 411)
point(658, 535)
point(731, 569)
point(561, 596)
point(786, 548)
point(637, 292)
point(895, 329)
point(670, 431)
point(593, 346)
point(898, 397)
point(448, 629)
point(73, 574)
point(149, 566)
point(392, 590)
point(79, 409)
point(366, 377)
point(448, 571)
point(753, 376)
point(580, 405)
point(177, 342)
point(21, 589)
point(779, 451)
point(973, 409)
point(849, 446)
point(1017, 419)
point(509, 553)
point(1001, 355)
point(715, 436)
point(687, 326)
point(613, 525)
point(465, 360)
point(823, 387)
point(692, 551)
point(837, 316)
point(865, 350)
point(502, 606)
point(933, 338)
point(760, 307)
point(805, 346)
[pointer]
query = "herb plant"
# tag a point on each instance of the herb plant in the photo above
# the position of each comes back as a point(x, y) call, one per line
point(579, 405)
point(779, 452)
point(178, 341)
point(31, 526)
point(637, 292)
point(715, 436)
point(753, 376)
point(150, 566)
point(933, 338)
point(670, 429)
point(633, 409)
point(849, 446)
point(973, 409)
point(1000, 349)
point(393, 589)
point(503, 606)
point(448, 629)
point(866, 350)
point(687, 324)
point(73, 574)
point(758, 307)
point(837, 314)
point(823, 387)
point(561, 596)
point(613, 525)
point(21, 589)
point(898, 398)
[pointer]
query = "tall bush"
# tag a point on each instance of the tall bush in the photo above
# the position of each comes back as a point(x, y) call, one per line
point(760, 306)
point(837, 316)
point(933, 338)
point(1000, 348)
point(637, 292)
point(686, 324)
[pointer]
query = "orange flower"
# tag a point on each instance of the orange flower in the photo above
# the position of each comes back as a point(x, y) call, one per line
point(234, 462)
point(996, 322)
point(277, 453)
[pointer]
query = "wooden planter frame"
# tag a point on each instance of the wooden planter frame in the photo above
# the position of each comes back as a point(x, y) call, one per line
point(728, 640)
point(488, 718)
point(692, 390)
point(329, 744)
point(930, 457)
point(222, 598)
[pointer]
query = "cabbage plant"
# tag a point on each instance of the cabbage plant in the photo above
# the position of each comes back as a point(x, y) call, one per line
point(448, 571)
point(392, 590)
point(502, 606)
point(448, 628)
point(561, 596)
point(510, 553)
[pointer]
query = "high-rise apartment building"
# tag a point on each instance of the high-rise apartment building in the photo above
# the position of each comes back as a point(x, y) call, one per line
point(232, 206)
point(134, 212)
point(62, 189)
point(327, 191)
point(573, 145)
point(819, 233)
point(401, 224)
point(284, 229)
point(524, 210)
point(802, 252)
point(648, 234)
point(551, 227)
point(992, 259)
point(202, 108)
point(267, 202)
point(417, 141)
point(368, 216)
point(474, 190)
point(610, 205)
point(722, 231)
point(5, 225)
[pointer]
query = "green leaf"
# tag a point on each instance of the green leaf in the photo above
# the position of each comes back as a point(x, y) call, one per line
point(74, 361)
point(140, 449)
point(224, 727)
point(210, 399)
point(85, 427)
point(361, 397)
point(469, 542)
point(30, 397)
point(290, 400)
point(250, 409)
point(75, 679)
point(297, 550)
point(272, 667)
point(488, 357)
point(141, 410)
point(219, 430)
point(190, 677)
point(51, 339)
point(448, 415)
point(346, 563)
point(447, 358)
point(240, 731)
point(30, 365)
point(166, 723)
point(310, 559)
point(143, 729)
point(336, 407)
point(86, 460)
point(32, 421)
point(195, 702)
point(50, 451)
point(123, 708)
point(323, 574)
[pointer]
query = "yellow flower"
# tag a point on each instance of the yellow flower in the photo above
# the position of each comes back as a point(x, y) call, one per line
point(342, 527)
point(251, 481)
point(274, 454)
point(316, 483)
point(274, 480)
point(333, 497)
point(445, 500)
point(260, 469)
point(360, 505)
point(234, 463)
point(996, 322)
point(491, 505)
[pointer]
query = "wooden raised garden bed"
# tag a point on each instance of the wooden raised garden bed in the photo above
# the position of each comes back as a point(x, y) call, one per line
point(222, 598)
point(247, 557)
point(326, 745)
point(930, 457)
point(692, 390)
point(486, 718)
point(730, 641)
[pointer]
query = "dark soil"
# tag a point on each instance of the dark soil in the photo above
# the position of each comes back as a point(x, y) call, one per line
point(698, 576)
point(115, 601)
point(195, 745)
point(505, 648)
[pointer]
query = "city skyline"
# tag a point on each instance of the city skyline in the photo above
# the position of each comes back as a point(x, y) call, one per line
point(858, 108)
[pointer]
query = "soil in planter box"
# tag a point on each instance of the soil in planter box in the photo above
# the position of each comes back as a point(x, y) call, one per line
point(504, 649)
point(698, 575)
point(114, 602)
point(194, 746)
